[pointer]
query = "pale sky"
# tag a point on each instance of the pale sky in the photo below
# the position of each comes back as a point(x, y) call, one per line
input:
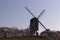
point(14, 14)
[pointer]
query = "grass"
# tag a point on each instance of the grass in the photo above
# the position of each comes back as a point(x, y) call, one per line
point(26, 38)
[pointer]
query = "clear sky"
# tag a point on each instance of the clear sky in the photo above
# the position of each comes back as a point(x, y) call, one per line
point(14, 14)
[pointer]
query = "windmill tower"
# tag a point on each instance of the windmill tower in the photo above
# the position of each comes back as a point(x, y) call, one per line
point(34, 22)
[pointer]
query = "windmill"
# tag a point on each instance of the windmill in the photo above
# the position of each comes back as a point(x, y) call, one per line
point(34, 22)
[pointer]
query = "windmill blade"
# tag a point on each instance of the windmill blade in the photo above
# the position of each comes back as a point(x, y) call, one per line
point(29, 11)
point(41, 13)
point(43, 25)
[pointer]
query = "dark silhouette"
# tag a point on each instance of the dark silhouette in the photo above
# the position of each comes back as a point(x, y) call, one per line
point(34, 22)
point(33, 25)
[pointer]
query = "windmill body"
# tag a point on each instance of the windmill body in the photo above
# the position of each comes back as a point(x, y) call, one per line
point(33, 25)
point(34, 22)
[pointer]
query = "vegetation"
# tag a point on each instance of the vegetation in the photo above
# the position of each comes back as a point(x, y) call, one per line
point(27, 38)
point(16, 34)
